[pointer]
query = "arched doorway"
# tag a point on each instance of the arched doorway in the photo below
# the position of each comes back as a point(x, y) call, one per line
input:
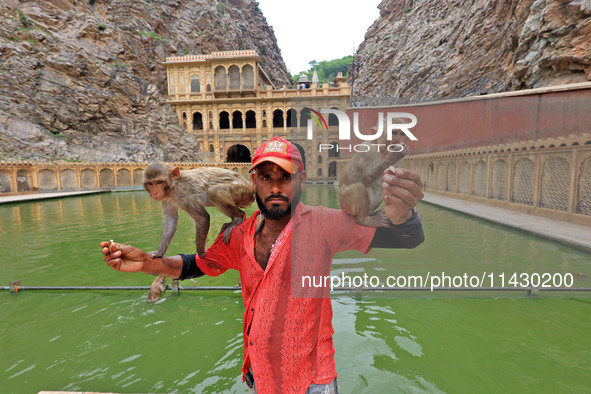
point(238, 154)
point(302, 153)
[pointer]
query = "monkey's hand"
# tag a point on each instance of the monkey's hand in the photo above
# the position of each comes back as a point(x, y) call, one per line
point(124, 258)
point(154, 253)
point(403, 189)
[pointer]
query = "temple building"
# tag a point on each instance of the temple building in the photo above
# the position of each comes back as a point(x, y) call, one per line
point(227, 101)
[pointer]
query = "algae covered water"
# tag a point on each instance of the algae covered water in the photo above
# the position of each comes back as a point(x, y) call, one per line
point(385, 341)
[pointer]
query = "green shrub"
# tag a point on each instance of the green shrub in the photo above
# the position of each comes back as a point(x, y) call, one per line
point(222, 7)
point(152, 35)
point(24, 20)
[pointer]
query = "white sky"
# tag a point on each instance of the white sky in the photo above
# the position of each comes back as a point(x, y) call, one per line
point(318, 29)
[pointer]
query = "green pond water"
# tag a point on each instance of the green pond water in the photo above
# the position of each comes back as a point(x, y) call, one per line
point(385, 341)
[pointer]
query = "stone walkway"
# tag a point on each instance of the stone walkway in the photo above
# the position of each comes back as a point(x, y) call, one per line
point(45, 196)
point(566, 232)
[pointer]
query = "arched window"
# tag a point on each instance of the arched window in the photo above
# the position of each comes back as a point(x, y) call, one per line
point(304, 116)
point(334, 152)
point(251, 120)
point(332, 119)
point(292, 118)
point(195, 84)
point(234, 77)
point(197, 121)
point(224, 120)
point(248, 76)
point(237, 120)
point(211, 148)
point(332, 169)
point(220, 78)
point(22, 181)
point(171, 84)
point(302, 153)
point(278, 118)
point(5, 182)
point(182, 84)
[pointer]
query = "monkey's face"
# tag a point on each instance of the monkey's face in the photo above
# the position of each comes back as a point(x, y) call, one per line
point(158, 188)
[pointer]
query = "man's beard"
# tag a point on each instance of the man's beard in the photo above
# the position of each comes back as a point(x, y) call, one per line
point(276, 212)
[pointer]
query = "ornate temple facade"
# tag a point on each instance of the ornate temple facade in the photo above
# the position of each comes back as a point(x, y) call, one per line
point(227, 101)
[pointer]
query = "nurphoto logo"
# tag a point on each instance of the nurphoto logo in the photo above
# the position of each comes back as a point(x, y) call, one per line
point(392, 120)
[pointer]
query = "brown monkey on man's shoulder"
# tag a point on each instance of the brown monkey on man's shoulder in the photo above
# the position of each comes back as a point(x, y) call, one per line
point(192, 191)
point(360, 186)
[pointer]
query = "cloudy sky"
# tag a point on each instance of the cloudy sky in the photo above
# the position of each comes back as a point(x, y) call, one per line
point(318, 29)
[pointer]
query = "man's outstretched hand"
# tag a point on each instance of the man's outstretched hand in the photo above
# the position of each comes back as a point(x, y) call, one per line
point(124, 258)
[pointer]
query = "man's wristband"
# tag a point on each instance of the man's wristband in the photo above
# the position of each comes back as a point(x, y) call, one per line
point(406, 235)
point(190, 268)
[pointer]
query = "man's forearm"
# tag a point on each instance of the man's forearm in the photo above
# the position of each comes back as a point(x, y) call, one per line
point(170, 266)
point(407, 235)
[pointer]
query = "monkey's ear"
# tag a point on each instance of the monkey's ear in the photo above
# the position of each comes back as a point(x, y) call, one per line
point(175, 173)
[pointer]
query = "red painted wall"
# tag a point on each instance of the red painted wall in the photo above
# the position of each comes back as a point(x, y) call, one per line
point(492, 120)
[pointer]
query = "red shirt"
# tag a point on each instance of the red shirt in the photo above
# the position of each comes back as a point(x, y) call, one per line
point(287, 328)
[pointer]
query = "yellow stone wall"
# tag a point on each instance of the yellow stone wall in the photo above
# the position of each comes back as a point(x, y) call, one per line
point(23, 177)
point(255, 112)
point(550, 177)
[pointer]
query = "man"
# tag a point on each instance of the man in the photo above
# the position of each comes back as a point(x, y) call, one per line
point(287, 329)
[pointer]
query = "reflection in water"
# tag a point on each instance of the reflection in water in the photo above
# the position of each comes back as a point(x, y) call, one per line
point(117, 341)
point(368, 338)
point(37, 213)
point(16, 217)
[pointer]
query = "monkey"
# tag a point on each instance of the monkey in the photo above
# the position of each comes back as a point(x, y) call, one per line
point(360, 191)
point(192, 191)
point(158, 288)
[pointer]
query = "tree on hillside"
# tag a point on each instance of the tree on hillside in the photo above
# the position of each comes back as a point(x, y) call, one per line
point(327, 69)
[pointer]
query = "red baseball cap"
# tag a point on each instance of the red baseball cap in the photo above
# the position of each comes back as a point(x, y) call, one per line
point(281, 152)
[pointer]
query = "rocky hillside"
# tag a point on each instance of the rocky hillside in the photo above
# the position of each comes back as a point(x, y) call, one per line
point(82, 80)
point(424, 50)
